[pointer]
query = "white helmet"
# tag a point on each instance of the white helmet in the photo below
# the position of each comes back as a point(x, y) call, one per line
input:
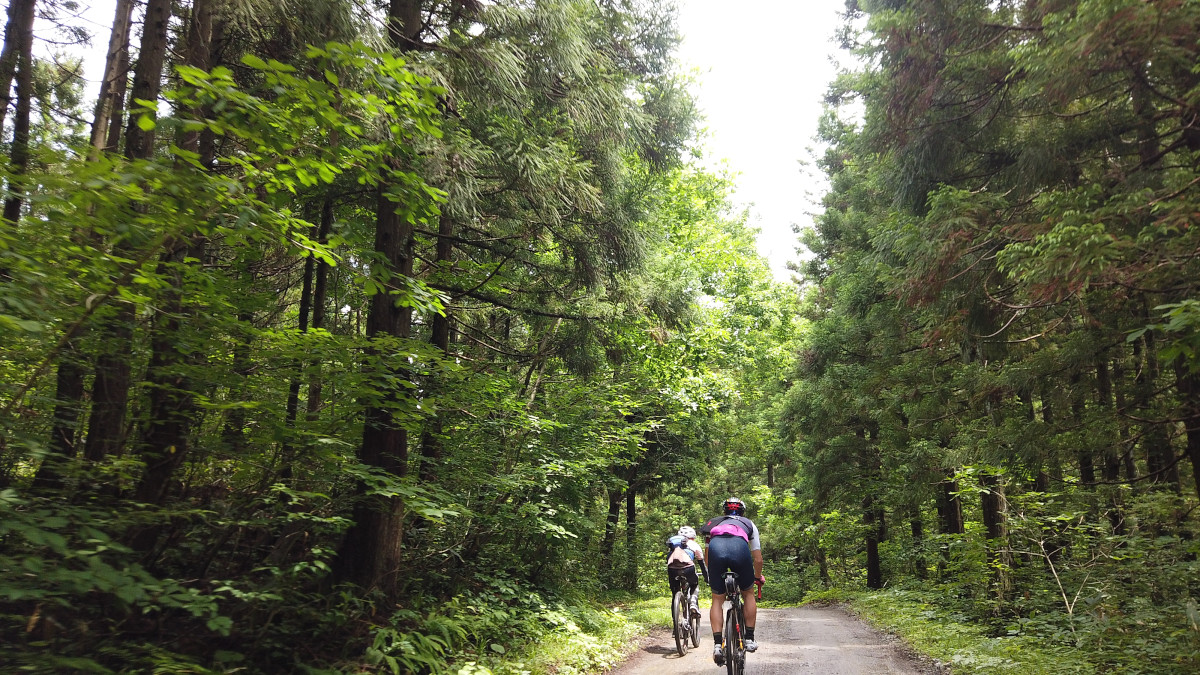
point(688, 532)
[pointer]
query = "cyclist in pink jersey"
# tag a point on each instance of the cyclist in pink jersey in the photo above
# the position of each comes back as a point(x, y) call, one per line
point(733, 544)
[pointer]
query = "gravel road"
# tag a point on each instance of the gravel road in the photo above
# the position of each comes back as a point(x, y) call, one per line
point(796, 640)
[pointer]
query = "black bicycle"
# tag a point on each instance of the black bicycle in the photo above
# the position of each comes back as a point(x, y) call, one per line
point(734, 635)
point(686, 624)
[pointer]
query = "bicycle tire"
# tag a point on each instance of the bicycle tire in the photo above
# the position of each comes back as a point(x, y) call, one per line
point(679, 622)
point(694, 624)
point(732, 644)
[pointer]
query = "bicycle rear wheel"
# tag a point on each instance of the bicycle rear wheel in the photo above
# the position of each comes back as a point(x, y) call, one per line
point(679, 620)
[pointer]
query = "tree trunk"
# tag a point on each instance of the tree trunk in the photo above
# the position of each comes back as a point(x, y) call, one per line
point(110, 387)
point(18, 31)
point(1160, 464)
point(949, 506)
point(1104, 397)
point(370, 555)
point(615, 497)
point(1111, 446)
point(631, 547)
point(873, 520)
point(1087, 466)
point(287, 452)
point(319, 300)
point(110, 101)
point(20, 22)
point(147, 76)
point(1188, 386)
point(823, 567)
point(439, 338)
point(233, 433)
point(950, 515)
point(993, 506)
point(1126, 455)
point(69, 382)
point(917, 527)
point(172, 402)
point(68, 399)
point(164, 445)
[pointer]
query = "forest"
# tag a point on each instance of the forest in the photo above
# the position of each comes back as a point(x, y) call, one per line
point(348, 336)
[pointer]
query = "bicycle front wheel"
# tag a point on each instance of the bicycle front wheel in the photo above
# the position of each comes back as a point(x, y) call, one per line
point(735, 651)
point(679, 620)
point(694, 624)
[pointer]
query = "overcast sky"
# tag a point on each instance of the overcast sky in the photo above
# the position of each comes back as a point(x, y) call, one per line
point(762, 67)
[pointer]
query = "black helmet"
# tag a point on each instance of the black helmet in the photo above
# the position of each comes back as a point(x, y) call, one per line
point(734, 507)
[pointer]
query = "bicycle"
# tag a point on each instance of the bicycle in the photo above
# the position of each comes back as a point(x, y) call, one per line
point(734, 633)
point(685, 623)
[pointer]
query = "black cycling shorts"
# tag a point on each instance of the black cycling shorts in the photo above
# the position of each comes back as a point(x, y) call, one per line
point(729, 552)
point(687, 574)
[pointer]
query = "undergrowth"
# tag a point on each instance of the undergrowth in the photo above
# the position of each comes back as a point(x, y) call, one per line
point(509, 631)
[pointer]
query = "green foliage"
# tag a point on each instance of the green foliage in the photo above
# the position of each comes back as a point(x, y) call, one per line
point(507, 629)
point(962, 646)
point(987, 410)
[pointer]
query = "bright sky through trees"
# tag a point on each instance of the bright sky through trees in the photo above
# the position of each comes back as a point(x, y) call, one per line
point(763, 67)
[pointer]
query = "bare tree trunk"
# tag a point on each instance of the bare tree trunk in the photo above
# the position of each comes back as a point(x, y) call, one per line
point(1188, 386)
point(68, 399)
point(1104, 397)
point(371, 553)
point(1087, 465)
point(431, 437)
point(21, 15)
point(950, 514)
point(615, 497)
point(17, 31)
point(823, 567)
point(319, 300)
point(287, 452)
point(992, 503)
point(1126, 455)
point(631, 547)
point(1111, 454)
point(917, 527)
point(950, 508)
point(873, 520)
point(1155, 443)
point(111, 98)
point(172, 402)
point(110, 387)
point(164, 445)
point(69, 382)
point(233, 435)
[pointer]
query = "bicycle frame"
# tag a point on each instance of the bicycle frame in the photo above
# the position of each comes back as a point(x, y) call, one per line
point(735, 625)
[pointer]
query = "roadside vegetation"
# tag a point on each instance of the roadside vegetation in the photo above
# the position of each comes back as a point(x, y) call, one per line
point(995, 410)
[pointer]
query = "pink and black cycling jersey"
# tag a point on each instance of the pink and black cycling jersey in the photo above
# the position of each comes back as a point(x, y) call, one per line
point(737, 526)
point(730, 528)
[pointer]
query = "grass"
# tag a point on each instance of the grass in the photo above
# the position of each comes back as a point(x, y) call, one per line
point(590, 638)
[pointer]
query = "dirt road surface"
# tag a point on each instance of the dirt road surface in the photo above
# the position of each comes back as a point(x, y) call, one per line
point(791, 641)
